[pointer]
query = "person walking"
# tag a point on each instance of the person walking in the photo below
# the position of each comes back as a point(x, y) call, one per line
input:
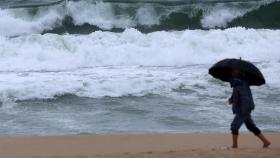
point(242, 106)
point(241, 74)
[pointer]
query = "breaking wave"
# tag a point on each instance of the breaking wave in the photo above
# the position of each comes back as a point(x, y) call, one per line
point(83, 17)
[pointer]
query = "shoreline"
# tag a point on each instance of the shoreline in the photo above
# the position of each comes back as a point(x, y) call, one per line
point(197, 145)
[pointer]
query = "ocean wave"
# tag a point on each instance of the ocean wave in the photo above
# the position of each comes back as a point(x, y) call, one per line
point(130, 63)
point(132, 48)
point(88, 16)
point(189, 83)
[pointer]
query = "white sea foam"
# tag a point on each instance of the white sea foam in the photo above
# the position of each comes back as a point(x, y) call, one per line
point(98, 14)
point(220, 15)
point(115, 64)
point(130, 48)
point(16, 22)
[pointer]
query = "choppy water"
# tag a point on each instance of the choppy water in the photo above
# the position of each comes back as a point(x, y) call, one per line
point(86, 16)
point(116, 66)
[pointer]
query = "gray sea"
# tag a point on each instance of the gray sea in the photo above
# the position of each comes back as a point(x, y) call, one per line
point(121, 66)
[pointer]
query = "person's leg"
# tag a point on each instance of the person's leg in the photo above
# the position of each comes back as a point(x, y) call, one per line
point(265, 141)
point(253, 128)
point(235, 125)
point(234, 141)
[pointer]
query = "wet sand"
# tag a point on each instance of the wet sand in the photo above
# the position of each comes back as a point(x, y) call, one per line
point(213, 145)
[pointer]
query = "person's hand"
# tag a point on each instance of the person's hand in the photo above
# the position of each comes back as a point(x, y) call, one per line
point(230, 101)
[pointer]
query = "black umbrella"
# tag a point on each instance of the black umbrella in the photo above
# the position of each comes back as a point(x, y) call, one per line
point(252, 74)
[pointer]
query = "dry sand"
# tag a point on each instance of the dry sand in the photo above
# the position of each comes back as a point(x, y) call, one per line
point(138, 146)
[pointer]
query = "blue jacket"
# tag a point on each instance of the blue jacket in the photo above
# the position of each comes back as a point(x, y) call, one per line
point(242, 98)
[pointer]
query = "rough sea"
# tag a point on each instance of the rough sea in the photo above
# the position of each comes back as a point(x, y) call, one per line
point(132, 66)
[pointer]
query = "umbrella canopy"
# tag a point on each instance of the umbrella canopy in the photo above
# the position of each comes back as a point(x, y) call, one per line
point(222, 69)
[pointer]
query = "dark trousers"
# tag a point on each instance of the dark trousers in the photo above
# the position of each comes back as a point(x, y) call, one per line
point(239, 119)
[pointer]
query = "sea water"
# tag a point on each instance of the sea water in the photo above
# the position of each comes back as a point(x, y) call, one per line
point(85, 67)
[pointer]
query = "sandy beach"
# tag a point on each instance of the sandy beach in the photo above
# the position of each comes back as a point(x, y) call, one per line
point(138, 145)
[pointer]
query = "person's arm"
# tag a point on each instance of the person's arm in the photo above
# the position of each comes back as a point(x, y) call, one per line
point(230, 101)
